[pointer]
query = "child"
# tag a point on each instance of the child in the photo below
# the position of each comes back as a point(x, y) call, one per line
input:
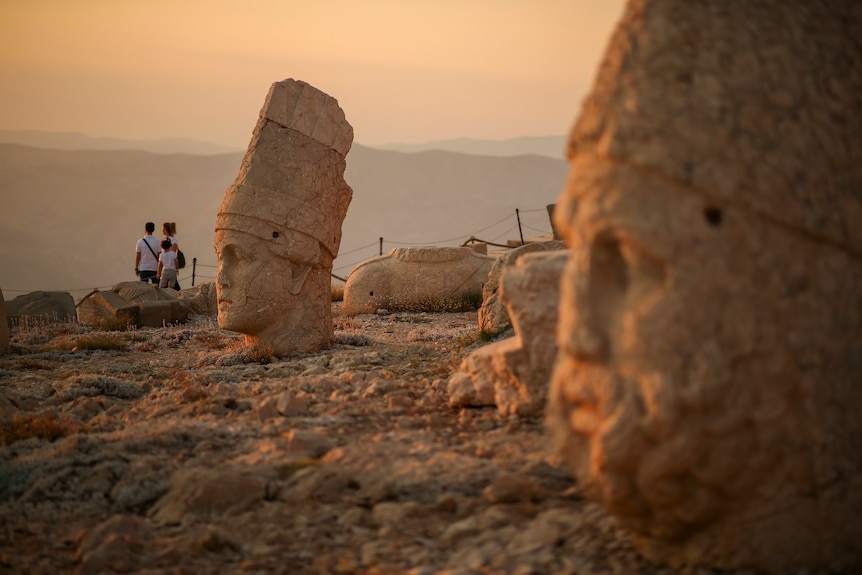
point(168, 266)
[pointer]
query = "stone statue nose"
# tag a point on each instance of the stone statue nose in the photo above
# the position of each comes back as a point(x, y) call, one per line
point(585, 336)
point(586, 343)
point(593, 290)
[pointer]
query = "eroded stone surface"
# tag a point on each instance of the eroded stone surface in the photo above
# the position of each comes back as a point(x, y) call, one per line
point(140, 304)
point(418, 278)
point(493, 317)
point(201, 299)
point(707, 392)
point(278, 228)
point(48, 306)
point(514, 373)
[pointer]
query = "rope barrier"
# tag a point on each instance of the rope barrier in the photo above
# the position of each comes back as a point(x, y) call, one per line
point(472, 239)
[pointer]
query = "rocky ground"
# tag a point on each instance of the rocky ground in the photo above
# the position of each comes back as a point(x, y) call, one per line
point(175, 450)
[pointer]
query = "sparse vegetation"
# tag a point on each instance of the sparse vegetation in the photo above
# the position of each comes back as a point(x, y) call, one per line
point(337, 293)
point(213, 340)
point(99, 341)
point(32, 363)
point(258, 354)
point(35, 330)
point(48, 427)
point(428, 304)
point(121, 323)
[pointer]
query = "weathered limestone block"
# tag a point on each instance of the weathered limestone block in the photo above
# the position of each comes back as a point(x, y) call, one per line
point(155, 313)
point(707, 388)
point(50, 306)
point(201, 299)
point(4, 328)
point(514, 373)
point(142, 305)
point(278, 228)
point(492, 315)
point(418, 279)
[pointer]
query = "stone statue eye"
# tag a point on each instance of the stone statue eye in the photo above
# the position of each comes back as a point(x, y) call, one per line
point(712, 215)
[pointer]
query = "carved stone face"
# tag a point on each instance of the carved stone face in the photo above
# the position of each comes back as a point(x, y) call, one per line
point(273, 287)
point(256, 289)
point(671, 363)
point(707, 390)
point(245, 283)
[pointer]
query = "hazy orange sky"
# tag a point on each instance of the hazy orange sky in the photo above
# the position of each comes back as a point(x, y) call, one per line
point(404, 71)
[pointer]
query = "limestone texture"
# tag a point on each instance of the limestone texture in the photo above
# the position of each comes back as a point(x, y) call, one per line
point(707, 390)
point(138, 303)
point(278, 228)
point(418, 279)
point(514, 373)
point(49, 306)
point(493, 317)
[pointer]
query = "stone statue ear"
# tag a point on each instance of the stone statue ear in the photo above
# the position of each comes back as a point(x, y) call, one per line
point(298, 275)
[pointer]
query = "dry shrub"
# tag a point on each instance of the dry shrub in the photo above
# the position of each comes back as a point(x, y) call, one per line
point(262, 353)
point(337, 293)
point(121, 323)
point(429, 303)
point(214, 341)
point(48, 427)
point(99, 341)
point(31, 330)
point(32, 363)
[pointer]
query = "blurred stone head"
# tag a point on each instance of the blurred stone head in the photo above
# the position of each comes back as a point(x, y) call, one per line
point(710, 337)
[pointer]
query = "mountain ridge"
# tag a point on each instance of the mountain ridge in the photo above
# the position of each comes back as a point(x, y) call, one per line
point(71, 218)
point(550, 146)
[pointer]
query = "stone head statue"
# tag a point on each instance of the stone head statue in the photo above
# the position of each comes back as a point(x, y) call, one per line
point(708, 385)
point(278, 228)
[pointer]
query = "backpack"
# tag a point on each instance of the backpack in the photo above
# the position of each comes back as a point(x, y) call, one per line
point(181, 259)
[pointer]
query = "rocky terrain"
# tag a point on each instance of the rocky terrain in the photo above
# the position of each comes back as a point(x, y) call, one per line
point(176, 450)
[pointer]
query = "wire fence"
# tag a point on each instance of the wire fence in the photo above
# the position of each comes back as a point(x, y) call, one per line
point(201, 271)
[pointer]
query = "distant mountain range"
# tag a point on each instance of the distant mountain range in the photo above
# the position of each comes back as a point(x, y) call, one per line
point(79, 141)
point(551, 146)
point(70, 218)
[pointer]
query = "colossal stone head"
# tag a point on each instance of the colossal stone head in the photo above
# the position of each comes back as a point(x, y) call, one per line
point(279, 225)
point(708, 385)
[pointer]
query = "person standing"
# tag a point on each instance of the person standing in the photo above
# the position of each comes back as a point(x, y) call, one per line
point(169, 229)
point(146, 258)
point(168, 267)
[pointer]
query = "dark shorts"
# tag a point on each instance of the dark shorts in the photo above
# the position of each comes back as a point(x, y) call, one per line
point(146, 276)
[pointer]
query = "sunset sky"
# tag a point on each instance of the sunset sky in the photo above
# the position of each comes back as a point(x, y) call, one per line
point(404, 71)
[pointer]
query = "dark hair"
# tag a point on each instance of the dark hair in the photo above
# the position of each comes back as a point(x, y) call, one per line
point(166, 244)
point(150, 227)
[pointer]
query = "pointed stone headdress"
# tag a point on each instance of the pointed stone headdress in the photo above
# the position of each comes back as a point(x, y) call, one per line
point(290, 189)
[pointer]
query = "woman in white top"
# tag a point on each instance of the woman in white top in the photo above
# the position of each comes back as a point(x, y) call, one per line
point(169, 229)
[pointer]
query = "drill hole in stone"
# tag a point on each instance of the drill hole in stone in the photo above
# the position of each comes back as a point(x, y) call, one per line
point(713, 216)
point(274, 235)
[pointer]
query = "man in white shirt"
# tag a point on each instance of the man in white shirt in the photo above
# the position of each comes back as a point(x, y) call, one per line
point(146, 255)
